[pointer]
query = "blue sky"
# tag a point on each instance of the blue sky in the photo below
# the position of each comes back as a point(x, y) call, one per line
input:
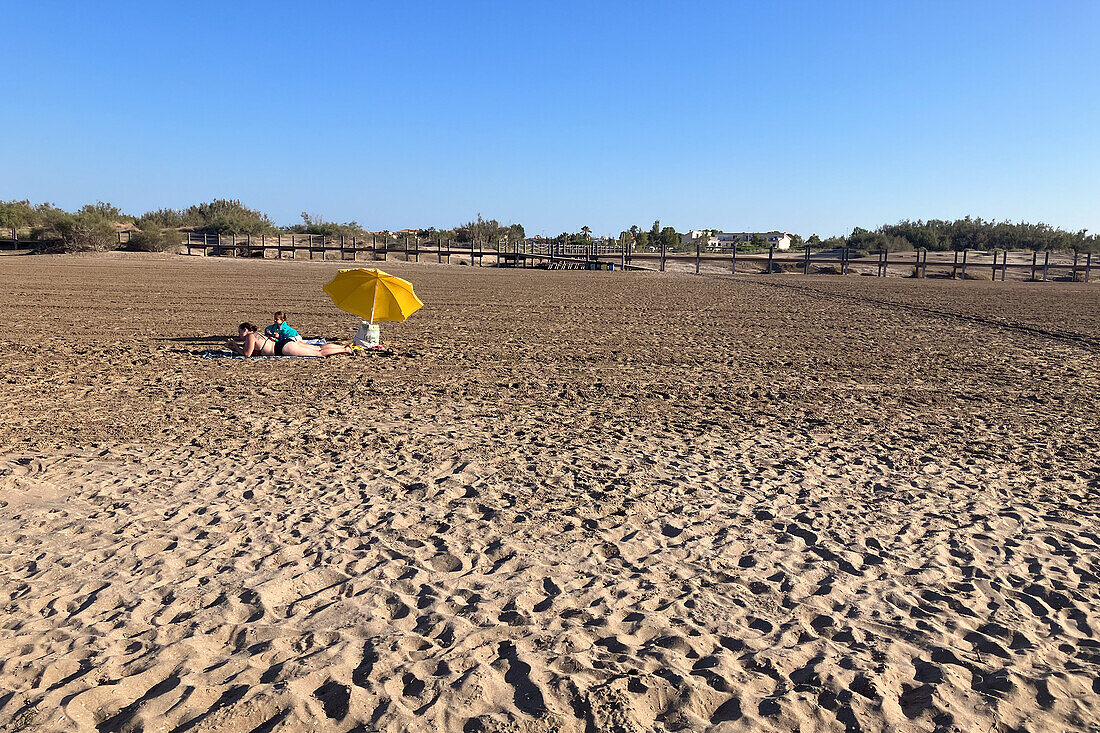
point(801, 116)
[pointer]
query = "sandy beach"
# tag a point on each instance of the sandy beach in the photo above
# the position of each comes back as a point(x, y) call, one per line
point(575, 501)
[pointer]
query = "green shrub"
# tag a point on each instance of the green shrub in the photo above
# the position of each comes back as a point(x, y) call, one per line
point(153, 238)
point(220, 216)
point(316, 224)
point(78, 233)
point(163, 218)
point(227, 217)
point(24, 215)
point(16, 214)
point(89, 230)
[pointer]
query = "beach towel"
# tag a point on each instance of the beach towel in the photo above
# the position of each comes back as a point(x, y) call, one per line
point(227, 354)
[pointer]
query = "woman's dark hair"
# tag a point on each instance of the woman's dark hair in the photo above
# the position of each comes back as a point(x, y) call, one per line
point(280, 314)
point(248, 327)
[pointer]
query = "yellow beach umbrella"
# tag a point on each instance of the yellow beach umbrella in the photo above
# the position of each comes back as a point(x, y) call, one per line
point(373, 294)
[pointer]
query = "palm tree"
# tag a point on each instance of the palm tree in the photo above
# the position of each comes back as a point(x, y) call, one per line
point(587, 232)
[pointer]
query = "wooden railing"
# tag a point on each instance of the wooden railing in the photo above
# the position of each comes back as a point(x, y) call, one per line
point(965, 264)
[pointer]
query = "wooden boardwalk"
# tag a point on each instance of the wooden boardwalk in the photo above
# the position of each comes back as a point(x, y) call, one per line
point(964, 264)
point(958, 264)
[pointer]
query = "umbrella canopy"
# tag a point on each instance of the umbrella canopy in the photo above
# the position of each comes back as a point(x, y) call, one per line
point(373, 294)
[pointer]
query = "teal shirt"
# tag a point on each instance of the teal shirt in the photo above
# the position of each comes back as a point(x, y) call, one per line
point(281, 331)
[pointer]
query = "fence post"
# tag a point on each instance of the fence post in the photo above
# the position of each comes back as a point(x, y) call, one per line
point(662, 256)
point(1046, 265)
point(696, 256)
point(1073, 277)
point(1034, 260)
point(771, 256)
point(1004, 265)
point(924, 264)
point(885, 262)
point(806, 266)
point(733, 260)
point(1088, 265)
point(965, 251)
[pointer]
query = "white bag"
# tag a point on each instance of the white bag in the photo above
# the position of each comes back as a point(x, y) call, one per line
point(369, 335)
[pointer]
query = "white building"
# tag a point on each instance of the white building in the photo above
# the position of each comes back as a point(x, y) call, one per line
point(723, 240)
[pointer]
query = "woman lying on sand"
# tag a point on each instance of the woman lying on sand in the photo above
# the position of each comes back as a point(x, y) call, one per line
point(254, 343)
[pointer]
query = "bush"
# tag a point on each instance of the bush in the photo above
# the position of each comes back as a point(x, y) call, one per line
point(81, 232)
point(316, 224)
point(976, 233)
point(16, 214)
point(89, 230)
point(153, 238)
point(163, 218)
point(220, 216)
point(24, 215)
point(227, 217)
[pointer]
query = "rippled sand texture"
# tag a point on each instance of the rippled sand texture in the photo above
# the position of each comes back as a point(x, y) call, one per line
point(571, 501)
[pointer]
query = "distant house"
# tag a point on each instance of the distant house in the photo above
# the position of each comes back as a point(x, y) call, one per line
point(723, 240)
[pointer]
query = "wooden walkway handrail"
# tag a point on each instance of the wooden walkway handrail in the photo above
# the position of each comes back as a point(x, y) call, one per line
point(610, 257)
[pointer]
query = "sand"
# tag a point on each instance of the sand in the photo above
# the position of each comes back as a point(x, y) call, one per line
point(568, 501)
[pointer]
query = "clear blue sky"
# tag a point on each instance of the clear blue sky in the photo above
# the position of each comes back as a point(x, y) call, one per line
point(800, 116)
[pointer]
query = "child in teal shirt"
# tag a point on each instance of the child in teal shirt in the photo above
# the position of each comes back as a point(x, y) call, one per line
point(280, 330)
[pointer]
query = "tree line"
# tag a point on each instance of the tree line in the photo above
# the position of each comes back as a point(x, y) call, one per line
point(95, 227)
point(972, 233)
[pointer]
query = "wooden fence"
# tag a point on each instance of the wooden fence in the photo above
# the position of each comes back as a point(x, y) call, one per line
point(965, 264)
